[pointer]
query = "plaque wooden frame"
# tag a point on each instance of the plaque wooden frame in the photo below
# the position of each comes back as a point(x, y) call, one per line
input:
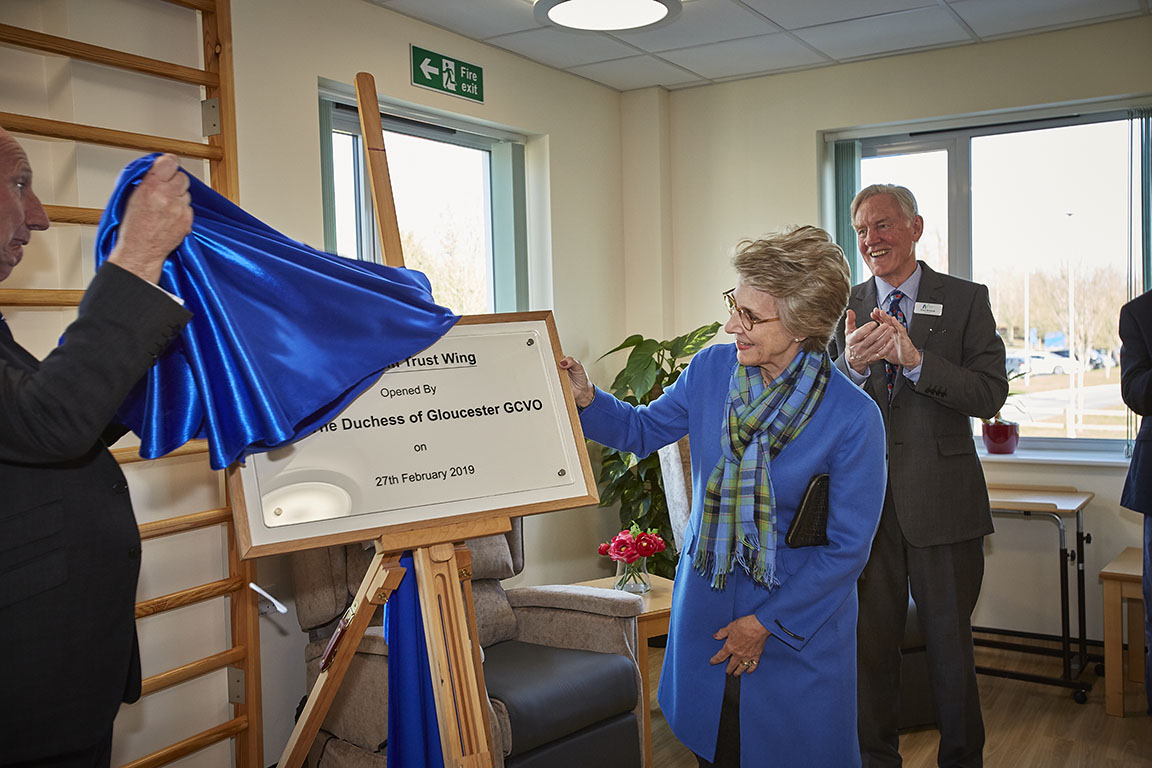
point(581, 492)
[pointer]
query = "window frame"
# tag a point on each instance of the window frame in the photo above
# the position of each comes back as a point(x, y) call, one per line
point(506, 186)
point(955, 135)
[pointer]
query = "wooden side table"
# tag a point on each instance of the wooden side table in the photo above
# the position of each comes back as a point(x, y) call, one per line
point(652, 622)
point(1121, 581)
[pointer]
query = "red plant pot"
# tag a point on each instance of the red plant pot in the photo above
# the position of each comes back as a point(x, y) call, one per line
point(1001, 436)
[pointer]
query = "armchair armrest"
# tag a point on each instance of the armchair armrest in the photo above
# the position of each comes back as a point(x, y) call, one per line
point(585, 618)
point(607, 602)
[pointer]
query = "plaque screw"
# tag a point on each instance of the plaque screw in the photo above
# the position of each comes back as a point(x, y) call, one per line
point(278, 511)
point(531, 342)
point(562, 472)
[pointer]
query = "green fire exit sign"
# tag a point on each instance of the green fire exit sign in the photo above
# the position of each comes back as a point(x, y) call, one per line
point(441, 73)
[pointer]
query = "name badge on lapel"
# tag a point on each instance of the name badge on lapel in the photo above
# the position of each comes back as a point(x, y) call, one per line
point(927, 308)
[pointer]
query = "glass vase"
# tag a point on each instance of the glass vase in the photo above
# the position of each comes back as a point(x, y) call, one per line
point(633, 577)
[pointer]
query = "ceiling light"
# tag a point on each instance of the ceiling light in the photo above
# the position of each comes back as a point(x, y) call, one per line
point(605, 15)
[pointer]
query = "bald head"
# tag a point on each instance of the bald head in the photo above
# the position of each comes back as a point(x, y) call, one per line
point(20, 209)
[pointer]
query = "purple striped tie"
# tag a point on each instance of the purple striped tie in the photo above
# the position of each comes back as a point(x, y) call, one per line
point(891, 371)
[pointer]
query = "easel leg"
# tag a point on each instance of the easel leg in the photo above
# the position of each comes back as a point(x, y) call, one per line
point(459, 701)
point(464, 571)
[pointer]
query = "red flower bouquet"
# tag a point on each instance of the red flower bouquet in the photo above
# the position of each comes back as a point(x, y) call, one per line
point(631, 549)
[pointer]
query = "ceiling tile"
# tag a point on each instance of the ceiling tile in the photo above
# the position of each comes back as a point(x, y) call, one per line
point(906, 30)
point(474, 19)
point(564, 48)
point(730, 39)
point(750, 55)
point(636, 72)
point(1001, 17)
point(794, 14)
point(699, 23)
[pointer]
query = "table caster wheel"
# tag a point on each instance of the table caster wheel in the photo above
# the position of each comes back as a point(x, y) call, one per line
point(1080, 697)
point(1099, 669)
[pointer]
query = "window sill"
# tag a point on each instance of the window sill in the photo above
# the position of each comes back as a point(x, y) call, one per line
point(1071, 457)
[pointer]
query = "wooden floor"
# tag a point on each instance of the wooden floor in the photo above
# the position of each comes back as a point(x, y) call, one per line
point(1028, 725)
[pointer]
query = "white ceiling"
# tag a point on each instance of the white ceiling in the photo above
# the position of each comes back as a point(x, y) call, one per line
point(717, 40)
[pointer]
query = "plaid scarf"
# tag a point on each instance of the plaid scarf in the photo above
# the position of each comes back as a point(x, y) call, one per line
point(738, 520)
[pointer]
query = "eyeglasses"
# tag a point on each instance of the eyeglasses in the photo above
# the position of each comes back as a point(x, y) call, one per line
point(747, 319)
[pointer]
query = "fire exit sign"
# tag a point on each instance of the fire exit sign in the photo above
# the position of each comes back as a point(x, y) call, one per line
point(438, 72)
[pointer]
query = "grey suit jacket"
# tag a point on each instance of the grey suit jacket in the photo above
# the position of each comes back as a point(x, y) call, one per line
point(69, 546)
point(1136, 389)
point(934, 475)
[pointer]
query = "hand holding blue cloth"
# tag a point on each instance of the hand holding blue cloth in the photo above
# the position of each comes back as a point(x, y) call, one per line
point(283, 336)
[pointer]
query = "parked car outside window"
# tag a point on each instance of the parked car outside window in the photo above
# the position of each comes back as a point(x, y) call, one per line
point(1042, 363)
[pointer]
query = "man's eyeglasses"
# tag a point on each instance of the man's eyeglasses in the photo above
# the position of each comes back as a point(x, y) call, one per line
point(747, 319)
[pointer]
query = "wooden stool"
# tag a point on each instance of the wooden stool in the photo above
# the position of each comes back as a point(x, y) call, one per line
point(1121, 580)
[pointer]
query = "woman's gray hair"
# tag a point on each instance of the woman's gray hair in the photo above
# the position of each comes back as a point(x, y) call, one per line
point(904, 198)
point(807, 274)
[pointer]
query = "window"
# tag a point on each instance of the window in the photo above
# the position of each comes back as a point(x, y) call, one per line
point(1048, 215)
point(459, 198)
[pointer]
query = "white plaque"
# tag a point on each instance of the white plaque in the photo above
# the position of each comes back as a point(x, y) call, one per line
point(480, 422)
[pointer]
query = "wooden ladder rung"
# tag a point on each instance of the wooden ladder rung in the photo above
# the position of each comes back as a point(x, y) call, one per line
point(39, 297)
point(208, 6)
point(59, 129)
point(72, 214)
point(193, 669)
point(191, 744)
point(197, 594)
point(131, 454)
point(39, 41)
point(182, 523)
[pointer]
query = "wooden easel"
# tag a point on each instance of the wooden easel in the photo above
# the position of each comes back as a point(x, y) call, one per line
point(443, 570)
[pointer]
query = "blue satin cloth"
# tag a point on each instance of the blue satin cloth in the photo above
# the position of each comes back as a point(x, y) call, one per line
point(413, 733)
point(282, 337)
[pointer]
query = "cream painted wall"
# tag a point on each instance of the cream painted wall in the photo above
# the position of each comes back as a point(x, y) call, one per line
point(747, 158)
point(1021, 579)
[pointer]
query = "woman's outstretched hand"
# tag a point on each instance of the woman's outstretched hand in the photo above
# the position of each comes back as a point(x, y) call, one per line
point(582, 389)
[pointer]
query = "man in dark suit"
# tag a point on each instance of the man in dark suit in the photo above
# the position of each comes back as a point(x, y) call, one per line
point(69, 546)
point(1136, 389)
point(924, 345)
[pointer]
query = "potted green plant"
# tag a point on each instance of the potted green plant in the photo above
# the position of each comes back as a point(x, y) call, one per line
point(636, 483)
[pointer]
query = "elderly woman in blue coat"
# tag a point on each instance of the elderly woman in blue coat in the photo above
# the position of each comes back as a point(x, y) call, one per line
point(760, 668)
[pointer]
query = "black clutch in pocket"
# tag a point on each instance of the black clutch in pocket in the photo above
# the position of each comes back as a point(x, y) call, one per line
point(810, 525)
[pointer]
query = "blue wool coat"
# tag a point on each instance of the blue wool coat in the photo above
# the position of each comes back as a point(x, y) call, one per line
point(799, 706)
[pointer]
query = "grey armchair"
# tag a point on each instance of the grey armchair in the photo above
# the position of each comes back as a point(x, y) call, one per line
point(559, 664)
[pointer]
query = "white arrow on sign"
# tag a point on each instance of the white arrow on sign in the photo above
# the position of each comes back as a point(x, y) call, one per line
point(427, 68)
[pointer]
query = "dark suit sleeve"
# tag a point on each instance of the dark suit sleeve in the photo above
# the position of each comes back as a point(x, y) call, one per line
point(1135, 360)
point(976, 385)
point(837, 346)
point(58, 411)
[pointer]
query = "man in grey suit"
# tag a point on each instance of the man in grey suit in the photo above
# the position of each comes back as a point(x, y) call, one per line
point(69, 546)
point(924, 345)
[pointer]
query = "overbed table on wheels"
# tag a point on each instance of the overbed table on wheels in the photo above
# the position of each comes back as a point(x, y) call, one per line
point(1054, 503)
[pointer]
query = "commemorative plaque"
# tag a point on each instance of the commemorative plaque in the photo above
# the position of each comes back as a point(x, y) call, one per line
point(479, 424)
